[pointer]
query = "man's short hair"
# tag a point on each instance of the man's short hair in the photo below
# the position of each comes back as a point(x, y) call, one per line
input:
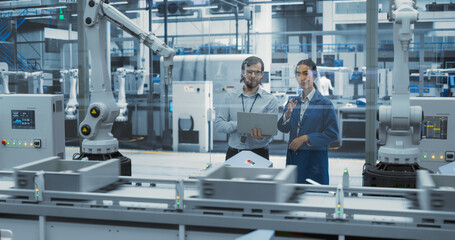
point(249, 61)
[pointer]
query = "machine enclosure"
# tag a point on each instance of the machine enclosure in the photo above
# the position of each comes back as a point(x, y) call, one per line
point(48, 129)
point(68, 175)
point(248, 184)
point(192, 116)
point(442, 148)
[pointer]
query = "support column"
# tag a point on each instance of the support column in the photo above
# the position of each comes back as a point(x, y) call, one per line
point(151, 100)
point(83, 70)
point(182, 232)
point(42, 228)
point(314, 48)
point(262, 23)
point(328, 23)
point(372, 82)
point(421, 62)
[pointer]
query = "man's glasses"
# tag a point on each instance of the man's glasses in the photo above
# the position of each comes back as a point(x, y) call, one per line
point(250, 72)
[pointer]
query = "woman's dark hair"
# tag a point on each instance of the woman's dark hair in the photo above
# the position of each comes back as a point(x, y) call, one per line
point(308, 62)
point(249, 61)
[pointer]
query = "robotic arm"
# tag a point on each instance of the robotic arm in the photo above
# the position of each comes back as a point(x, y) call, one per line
point(140, 76)
point(120, 75)
point(5, 81)
point(97, 10)
point(71, 106)
point(38, 76)
point(399, 127)
point(97, 125)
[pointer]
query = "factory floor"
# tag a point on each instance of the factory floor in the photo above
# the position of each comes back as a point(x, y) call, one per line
point(184, 165)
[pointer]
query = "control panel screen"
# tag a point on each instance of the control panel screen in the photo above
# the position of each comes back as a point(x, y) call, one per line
point(434, 127)
point(23, 119)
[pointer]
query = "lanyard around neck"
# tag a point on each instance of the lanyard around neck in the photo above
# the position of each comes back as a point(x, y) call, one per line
point(243, 105)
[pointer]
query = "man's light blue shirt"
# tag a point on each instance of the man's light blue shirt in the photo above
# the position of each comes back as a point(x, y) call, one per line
point(226, 118)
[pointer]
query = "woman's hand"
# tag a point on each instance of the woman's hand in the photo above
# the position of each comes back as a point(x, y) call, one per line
point(291, 106)
point(298, 142)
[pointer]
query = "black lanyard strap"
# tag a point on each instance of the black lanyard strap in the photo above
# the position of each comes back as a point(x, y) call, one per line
point(243, 105)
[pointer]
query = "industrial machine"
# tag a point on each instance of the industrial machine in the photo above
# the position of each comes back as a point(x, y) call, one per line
point(192, 116)
point(438, 131)
point(436, 83)
point(99, 143)
point(33, 82)
point(444, 80)
point(399, 123)
point(32, 128)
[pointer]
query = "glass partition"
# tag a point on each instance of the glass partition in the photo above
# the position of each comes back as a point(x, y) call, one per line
point(212, 39)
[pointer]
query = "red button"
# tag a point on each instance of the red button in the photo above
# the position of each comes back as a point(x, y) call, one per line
point(4, 142)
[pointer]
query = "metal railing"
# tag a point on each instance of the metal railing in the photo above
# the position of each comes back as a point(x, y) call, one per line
point(6, 53)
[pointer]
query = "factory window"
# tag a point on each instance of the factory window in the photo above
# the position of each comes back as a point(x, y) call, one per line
point(350, 7)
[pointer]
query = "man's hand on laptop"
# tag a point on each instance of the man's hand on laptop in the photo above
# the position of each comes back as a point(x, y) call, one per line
point(256, 133)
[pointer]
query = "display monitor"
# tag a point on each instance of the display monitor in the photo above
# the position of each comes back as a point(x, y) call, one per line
point(23, 119)
point(434, 127)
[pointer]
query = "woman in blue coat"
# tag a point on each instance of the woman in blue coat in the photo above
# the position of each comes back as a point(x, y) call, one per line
point(311, 120)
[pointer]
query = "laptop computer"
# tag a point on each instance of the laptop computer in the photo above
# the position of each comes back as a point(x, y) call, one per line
point(265, 121)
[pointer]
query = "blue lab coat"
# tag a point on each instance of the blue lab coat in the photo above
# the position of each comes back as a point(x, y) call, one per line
point(319, 123)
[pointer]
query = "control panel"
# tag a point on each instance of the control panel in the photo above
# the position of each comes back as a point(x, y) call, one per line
point(32, 128)
point(438, 131)
point(434, 127)
point(22, 143)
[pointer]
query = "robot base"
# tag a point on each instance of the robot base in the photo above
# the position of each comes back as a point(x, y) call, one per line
point(390, 175)
point(125, 163)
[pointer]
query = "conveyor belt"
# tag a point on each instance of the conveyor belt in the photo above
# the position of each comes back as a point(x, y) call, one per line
point(148, 206)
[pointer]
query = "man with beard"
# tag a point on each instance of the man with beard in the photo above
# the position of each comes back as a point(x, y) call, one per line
point(251, 98)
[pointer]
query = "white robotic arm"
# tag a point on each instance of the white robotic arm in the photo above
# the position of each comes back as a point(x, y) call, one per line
point(97, 9)
point(39, 77)
point(140, 76)
point(400, 123)
point(71, 106)
point(39, 84)
point(103, 110)
point(5, 81)
point(120, 74)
